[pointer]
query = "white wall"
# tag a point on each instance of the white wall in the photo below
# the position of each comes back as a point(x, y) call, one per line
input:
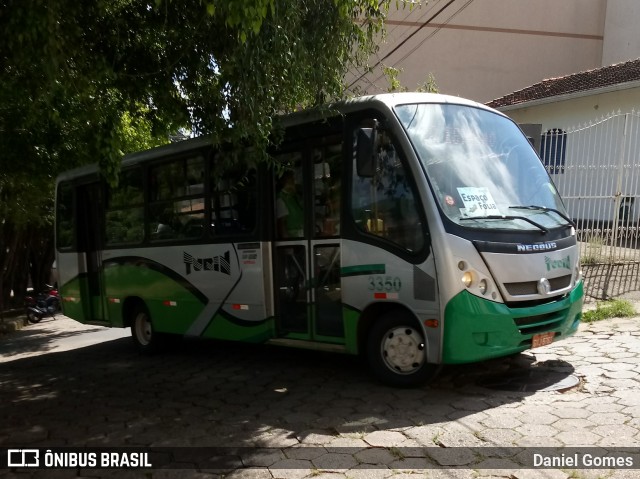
point(571, 113)
point(492, 47)
point(622, 40)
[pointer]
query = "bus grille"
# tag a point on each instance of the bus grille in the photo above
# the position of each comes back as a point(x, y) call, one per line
point(531, 287)
point(537, 324)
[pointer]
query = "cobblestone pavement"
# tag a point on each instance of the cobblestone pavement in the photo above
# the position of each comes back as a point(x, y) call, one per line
point(299, 414)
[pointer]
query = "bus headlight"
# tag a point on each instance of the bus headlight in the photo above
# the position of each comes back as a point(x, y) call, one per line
point(578, 273)
point(478, 282)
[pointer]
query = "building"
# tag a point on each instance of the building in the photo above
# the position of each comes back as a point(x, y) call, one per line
point(586, 127)
point(575, 99)
point(486, 49)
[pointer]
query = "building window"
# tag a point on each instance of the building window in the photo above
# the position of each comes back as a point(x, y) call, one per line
point(553, 150)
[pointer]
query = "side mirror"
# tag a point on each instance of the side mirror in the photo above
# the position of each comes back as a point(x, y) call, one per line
point(365, 152)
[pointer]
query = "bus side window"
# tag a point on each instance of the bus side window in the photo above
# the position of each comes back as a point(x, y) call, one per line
point(176, 210)
point(384, 203)
point(124, 218)
point(234, 201)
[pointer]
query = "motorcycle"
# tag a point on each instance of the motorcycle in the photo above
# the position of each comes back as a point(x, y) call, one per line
point(46, 303)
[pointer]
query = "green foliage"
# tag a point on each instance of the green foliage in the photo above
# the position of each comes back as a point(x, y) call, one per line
point(429, 86)
point(73, 69)
point(86, 82)
point(593, 250)
point(391, 74)
point(395, 85)
point(617, 308)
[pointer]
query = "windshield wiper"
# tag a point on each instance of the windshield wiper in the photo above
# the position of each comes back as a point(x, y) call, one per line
point(507, 217)
point(544, 209)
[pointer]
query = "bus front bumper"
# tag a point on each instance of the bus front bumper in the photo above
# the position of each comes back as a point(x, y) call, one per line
point(476, 329)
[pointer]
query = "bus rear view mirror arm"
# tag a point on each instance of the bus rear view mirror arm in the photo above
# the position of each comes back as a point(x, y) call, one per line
point(365, 151)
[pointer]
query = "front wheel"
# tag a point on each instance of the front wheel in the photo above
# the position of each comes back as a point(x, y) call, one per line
point(397, 351)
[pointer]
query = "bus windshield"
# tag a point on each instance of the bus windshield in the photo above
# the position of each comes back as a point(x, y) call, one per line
point(482, 169)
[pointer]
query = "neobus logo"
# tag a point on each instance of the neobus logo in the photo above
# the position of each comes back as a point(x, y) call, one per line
point(217, 263)
point(551, 245)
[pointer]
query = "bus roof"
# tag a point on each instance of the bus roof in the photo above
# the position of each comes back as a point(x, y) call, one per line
point(384, 101)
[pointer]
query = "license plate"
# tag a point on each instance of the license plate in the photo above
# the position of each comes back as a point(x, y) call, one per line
point(542, 339)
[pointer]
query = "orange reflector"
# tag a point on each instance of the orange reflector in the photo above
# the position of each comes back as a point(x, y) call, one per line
point(431, 323)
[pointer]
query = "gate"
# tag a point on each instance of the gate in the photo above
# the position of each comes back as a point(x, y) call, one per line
point(596, 169)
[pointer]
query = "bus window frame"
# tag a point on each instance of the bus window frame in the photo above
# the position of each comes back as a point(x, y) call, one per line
point(253, 234)
point(106, 192)
point(350, 230)
point(149, 203)
point(73, 246)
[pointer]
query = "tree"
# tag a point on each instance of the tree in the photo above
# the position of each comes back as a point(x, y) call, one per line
point(78, 77)
point(395, 85)
point(212, 64)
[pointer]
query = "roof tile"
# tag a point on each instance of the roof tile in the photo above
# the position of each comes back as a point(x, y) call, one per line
point(583, 81)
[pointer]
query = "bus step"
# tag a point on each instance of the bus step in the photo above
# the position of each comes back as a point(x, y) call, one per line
point(303, 344)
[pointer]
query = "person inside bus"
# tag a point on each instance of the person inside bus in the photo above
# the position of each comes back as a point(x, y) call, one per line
point(166, 226)
point(289, 211)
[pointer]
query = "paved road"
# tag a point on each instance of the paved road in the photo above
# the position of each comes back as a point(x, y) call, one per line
point(296, 414)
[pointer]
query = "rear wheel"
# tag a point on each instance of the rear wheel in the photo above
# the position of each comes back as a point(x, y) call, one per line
point(397, 351)
point(146, 339)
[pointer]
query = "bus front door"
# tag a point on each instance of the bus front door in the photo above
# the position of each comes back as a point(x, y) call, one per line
point(308, 291)
point(291, 280)
point(308, 299)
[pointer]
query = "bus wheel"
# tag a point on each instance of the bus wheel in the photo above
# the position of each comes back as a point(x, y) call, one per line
point(144, 337)
point(397, 351)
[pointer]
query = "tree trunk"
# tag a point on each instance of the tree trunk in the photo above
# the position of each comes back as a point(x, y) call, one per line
point(28, 254)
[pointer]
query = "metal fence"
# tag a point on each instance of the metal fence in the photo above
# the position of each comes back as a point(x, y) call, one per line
point(596, 168)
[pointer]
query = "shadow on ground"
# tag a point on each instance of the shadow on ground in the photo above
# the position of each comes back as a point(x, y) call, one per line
point(207, 393)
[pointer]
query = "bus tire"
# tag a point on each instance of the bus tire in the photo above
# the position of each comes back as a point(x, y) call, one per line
point(145, 338)
point(397, 352)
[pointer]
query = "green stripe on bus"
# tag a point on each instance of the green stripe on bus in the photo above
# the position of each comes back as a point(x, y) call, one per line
point(362, 269)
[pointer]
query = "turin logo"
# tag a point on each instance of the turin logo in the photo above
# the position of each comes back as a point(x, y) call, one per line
point(216, 263)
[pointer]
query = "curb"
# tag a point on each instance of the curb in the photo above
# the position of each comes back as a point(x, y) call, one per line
point(11, 325)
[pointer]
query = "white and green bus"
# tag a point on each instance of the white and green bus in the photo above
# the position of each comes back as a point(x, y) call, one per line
point(415, 229)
